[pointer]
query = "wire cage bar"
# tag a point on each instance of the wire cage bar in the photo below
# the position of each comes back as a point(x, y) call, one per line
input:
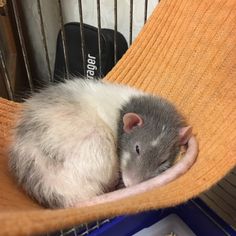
point(99, 37)
point(115, 31)
point(6, 76)
point(131, 22)
point(145, 11)
point(82, 34)
point(44, 39)
point(63, 36)
point(23, 44)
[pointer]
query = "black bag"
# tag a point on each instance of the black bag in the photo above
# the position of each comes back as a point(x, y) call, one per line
point(74, 51)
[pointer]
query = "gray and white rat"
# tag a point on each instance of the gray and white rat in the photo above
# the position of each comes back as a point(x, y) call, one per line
point(65, 143)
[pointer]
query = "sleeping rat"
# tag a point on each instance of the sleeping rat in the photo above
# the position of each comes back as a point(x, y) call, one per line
point(65, 143)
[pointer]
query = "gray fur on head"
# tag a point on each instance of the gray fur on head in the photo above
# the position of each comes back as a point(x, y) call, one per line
point(157, 140)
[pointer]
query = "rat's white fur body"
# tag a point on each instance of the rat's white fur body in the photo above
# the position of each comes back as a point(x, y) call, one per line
point(64, 148)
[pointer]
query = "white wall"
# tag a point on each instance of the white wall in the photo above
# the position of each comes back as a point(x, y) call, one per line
point(50, 12)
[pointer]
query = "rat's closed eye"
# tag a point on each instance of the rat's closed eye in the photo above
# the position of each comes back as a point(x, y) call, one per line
point(163, 162)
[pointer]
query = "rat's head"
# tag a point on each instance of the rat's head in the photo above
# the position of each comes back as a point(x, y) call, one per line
point(148, 148)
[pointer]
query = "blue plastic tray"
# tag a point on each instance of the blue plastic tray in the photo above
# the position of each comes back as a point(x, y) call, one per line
point(199, 218)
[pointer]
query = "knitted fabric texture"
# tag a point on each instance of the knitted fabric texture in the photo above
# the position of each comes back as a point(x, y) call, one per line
point(186, 52)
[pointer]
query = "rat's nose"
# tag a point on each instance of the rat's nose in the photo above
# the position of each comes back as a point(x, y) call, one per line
point(129, 179)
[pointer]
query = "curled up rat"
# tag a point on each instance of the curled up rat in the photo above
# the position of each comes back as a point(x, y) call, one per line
point(72, 139)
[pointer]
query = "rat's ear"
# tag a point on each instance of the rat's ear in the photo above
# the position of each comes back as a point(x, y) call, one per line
point(184, 134)
point(130, 120)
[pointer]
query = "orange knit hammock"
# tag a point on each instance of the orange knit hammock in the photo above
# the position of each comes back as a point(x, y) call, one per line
point(187, 53)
